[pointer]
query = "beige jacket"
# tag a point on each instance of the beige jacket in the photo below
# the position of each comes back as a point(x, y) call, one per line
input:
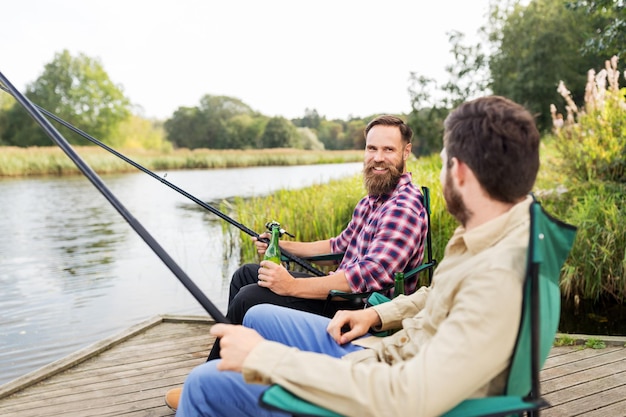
point(456, 340)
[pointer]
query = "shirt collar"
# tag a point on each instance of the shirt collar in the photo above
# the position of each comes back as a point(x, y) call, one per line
point(491, 232)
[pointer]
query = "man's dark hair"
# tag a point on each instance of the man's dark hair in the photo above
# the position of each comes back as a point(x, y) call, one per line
point(388, 120)
point(498, 139)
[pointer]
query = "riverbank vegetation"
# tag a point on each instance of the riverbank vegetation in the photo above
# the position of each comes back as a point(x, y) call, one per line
point(594, 271)
point(19, 162)
point(582, 181)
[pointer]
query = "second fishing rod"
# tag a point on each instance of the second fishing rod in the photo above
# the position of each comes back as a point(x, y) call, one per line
point(300, 262)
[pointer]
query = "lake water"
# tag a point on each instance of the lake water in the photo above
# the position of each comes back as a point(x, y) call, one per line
point(72, 271)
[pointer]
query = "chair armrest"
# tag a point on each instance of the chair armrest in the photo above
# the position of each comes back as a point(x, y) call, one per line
point(354, 295)
point(278, 398)
point(499, 406)
point(336, 257)
point(420, 268)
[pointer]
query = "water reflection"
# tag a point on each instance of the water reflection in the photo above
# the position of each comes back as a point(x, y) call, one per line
point(72, 271)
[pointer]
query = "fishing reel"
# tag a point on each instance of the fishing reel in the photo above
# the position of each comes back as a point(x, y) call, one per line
point(270, 225)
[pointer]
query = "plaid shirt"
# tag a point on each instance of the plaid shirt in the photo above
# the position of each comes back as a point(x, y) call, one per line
point(386, 235)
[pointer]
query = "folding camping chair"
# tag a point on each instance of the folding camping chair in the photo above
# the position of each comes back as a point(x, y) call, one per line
point(428, 264)
point(549, 245)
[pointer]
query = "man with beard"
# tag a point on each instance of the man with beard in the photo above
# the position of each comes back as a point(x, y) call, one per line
point(385, 235)
point(454, 339)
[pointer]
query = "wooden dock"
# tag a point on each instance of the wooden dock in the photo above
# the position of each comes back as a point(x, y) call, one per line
point(128, 375)
point(125, 375)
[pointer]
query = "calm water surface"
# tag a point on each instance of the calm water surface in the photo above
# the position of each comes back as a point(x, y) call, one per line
point(72, 271)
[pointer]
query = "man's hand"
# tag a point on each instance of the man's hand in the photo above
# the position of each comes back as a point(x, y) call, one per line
point(356, 322)
point(276, 278)
point(236, 343)
point(261, 247)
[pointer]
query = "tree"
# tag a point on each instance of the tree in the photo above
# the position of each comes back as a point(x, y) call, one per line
point(186, 128)
point(330, 133)
point(609, 38)
point(77, 90)
point(535, 47)
point(206, 126)
point(140, 133)
point(279, 133)
point(468, 77)
point(244, 131)
point(354, 137)
point(307, 139)
point(311, 119)
point(6, 101)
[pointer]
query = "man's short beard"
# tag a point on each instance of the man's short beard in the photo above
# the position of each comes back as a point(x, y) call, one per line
point(379, 184)
point(454, 202)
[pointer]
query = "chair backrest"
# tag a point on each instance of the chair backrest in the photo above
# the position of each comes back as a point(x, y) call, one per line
point(549, 245)
point(428, 263)
point(429, 242)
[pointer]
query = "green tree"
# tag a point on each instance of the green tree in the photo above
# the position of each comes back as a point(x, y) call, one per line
point(535, 47)
point(6, 102)
point(609, 38)
point(140, 133)
point(330, 133)
point(244, 131)
point(466, 78)
point(77, 90)
point(279, 133)
point(186, 128)
point(311, 119)
point(307, 139)
point(354, 137)
point(206, 126)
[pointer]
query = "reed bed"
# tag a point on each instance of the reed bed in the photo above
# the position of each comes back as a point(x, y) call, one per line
point(594, 271)
point(18, 162)
point(323, 211)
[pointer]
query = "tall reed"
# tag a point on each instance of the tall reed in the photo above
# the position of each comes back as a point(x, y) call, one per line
point(323, 211)
point(594, 269)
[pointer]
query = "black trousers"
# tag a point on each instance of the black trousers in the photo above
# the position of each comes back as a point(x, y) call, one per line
point(244, 293)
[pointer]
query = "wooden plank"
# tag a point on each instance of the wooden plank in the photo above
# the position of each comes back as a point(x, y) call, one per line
point(125, 379)
point(565, 376)
point(616, 409)
point(77, 357)
point(590, 403)
point(585, 382)
point(130, 375)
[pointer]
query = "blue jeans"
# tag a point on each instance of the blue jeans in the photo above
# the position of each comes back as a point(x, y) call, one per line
point(209, 392)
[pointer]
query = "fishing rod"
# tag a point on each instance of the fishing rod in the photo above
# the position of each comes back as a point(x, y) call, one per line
point(304, 264)
point(97, 182)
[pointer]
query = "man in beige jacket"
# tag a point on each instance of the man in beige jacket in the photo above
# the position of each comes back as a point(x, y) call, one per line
point(456, 337)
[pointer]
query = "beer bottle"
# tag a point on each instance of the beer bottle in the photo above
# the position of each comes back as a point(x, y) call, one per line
point(399, 284)
point(272, 253)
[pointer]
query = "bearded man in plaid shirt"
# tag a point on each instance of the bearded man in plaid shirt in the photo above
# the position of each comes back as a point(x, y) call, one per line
point(385, 235)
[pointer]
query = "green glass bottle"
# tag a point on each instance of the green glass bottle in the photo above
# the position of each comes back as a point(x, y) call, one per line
point(398, 288)
point(273, 249)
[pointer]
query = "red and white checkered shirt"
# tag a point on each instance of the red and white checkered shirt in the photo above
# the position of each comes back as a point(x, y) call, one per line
point(385, 235)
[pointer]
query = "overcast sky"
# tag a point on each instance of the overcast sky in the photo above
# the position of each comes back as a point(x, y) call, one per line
point(340, 57)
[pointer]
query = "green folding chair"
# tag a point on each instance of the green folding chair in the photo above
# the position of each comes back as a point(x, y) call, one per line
point(550, 243)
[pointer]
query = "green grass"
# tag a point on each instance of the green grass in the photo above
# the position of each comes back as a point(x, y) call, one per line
point(564, 340)
point(594, 270)
point(593, 343)
point(323, 211)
